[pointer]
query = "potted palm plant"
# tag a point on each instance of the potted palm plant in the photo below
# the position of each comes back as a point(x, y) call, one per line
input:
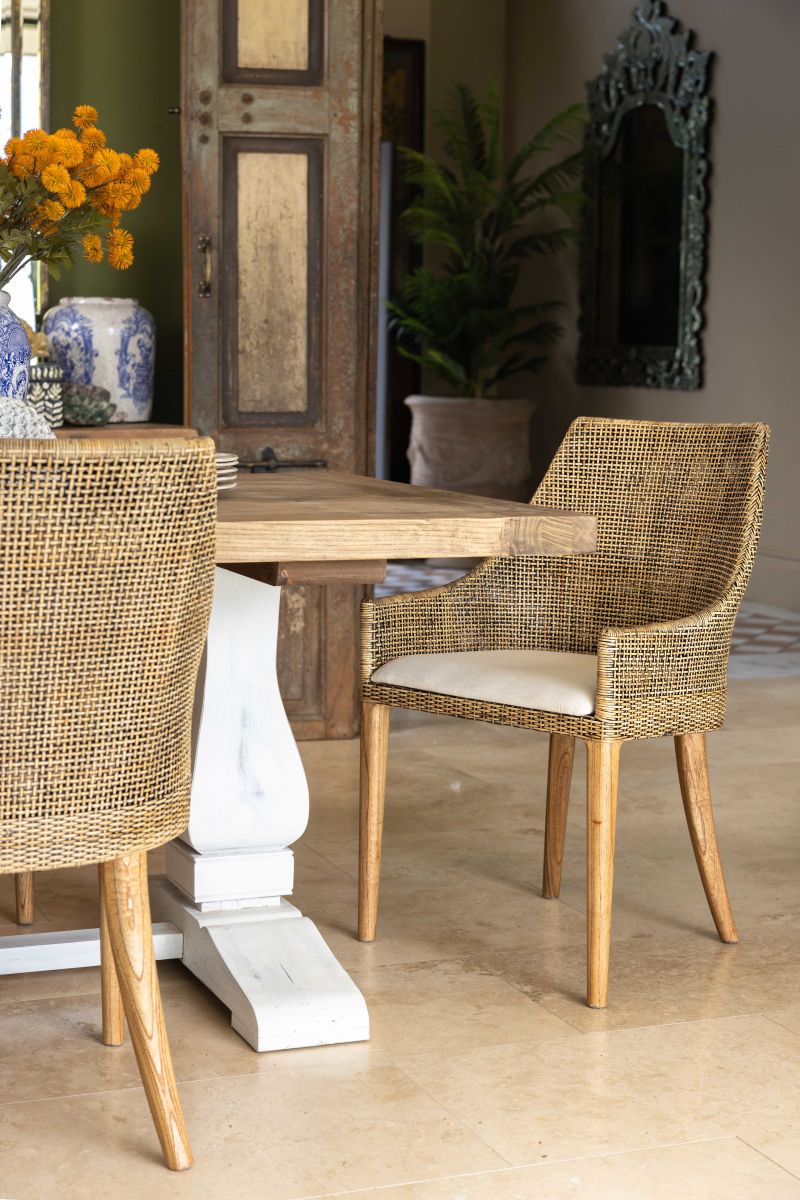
point(457, 316)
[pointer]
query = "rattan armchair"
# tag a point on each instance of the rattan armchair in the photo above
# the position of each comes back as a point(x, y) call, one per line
point(106, 579)
point(679, 511)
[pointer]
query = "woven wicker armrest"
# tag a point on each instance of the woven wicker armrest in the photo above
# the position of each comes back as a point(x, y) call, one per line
point(668, 677)
point(452, 617)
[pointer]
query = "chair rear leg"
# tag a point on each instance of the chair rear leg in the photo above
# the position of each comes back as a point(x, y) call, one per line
point(23, 886)
point(113, 1012)
point(127, 907)
point(690, 752)
point(602, 773)
point(374, 756)
point(559, 779)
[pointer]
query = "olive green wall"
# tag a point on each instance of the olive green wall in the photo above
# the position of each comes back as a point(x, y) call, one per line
point(124, 58)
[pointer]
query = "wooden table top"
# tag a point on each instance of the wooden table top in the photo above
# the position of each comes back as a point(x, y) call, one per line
point(327, 516)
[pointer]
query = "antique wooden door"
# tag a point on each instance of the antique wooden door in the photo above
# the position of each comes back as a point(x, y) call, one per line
point(279, 144)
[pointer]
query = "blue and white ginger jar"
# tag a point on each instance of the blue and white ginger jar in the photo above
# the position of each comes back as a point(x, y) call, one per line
point(107, 342)
point(15, 353)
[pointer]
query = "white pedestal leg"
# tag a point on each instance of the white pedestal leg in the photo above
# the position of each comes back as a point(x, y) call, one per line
point(227, 877)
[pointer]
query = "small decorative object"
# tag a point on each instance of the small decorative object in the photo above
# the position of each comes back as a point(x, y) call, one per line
point(58, 192)
point(87, 404)
point(108, 342)
point(227, 471)
point(44, 392)
point(19, 419)
point(458, 318)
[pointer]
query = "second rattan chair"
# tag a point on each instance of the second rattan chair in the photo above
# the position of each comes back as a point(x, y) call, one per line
point(106, 579)
point(629, 642)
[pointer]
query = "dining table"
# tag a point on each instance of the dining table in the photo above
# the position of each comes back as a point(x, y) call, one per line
point(222, 905)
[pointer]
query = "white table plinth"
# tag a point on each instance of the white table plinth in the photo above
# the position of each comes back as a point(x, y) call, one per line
point(227, 879)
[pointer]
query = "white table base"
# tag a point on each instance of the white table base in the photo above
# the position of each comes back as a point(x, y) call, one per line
point(221, 907)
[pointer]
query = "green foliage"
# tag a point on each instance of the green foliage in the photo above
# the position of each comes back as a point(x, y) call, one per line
point(458, 319)
point(23, 241)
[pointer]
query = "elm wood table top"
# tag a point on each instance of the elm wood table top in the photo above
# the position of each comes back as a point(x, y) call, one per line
point(328, 516)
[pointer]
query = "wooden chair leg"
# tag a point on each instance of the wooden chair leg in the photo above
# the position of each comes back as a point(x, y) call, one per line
point(690, 752)
point(374, 755)
point(113, 1012)
point(23, 885)
point(127, 907)
point(602, 773)
point(559, 779)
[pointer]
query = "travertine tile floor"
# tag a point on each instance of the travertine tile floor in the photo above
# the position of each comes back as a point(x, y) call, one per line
point(486, 1076)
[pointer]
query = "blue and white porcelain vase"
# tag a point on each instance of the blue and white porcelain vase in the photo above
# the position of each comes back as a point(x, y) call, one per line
point(15, 353)
point(107, 342)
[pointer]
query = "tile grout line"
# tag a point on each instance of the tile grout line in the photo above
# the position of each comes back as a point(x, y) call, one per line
point(727, 1137)
point(768, 1157)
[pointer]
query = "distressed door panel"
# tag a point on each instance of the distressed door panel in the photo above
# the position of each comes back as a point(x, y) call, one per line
point(279, 141)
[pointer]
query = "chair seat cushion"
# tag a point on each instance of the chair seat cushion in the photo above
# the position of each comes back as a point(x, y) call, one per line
point(545, 680)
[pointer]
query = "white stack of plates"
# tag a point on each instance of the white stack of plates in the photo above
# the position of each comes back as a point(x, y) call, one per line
point(227, 468)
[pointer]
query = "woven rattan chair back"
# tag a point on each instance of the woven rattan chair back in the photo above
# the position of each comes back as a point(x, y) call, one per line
point(678, 508)
point(106, 579)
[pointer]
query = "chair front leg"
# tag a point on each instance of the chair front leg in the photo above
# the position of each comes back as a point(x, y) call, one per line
point(113, 1012)
point(692, 758)
point(559, 779)
point(602, 773)
point(374, 758)
point(23, 887)
point(127, 907)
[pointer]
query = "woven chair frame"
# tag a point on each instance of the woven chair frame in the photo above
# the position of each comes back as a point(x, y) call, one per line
point(679, 510)
point(106, 581)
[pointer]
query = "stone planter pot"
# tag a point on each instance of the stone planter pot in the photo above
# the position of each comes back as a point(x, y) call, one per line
point(476, 446)
point(109, 343)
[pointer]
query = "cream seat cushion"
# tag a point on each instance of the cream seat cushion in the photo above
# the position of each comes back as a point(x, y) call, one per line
point(546, 680)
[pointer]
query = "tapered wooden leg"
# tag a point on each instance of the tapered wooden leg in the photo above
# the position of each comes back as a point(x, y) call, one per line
point(23, 885)
point(602, 773)
point(690, 752)
point(559, 778)
point(113, 1012)
point(127, 906)
point(374, 755)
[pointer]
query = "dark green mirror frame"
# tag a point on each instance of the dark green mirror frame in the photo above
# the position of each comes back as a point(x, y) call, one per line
point(645, 228)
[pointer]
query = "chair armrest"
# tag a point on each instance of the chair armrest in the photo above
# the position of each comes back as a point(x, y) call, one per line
point(668, 677)
point(437, 620)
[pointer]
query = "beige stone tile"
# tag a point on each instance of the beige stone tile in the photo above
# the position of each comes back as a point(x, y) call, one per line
point(624, 1090)
point(278, 1135)
point(654, 981)
point(788, 1017)
point(85, 981)
point(722, 1169)
point(780, 1143)
point(449, 1007)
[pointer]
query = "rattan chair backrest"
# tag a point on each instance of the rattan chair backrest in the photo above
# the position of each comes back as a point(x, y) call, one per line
point(679, 511)
point(106, 580)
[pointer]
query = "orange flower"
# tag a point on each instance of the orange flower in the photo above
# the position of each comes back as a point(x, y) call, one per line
point(73, 194)
point(92, 248)
point(35, 141)
point(50, 210)
point(92, 139)
point(21, 165)
point(56, 178)
point(148, 160)
point(119, 244)
point(138, 178)
point(105, 166)
point(67, 153)
point(84, 116)
point(65, 134)
point(13, 145)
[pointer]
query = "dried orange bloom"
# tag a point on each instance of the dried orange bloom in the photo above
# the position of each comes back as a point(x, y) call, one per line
point(50, 210)
point(105, 166)
point(13, 145)
point(65, 134)
point(67, 154)
point(73, 194)
point(92, 248)
point(55, 178)
point(138, 178)
point(92, 139)
point(122, 194)
point(21, 165)
point(119, 245)
point(35, 141)
point(84, 115)
point(148, 159)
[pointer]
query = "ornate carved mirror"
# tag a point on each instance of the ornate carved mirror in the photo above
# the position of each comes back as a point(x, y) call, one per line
point(644, 245)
